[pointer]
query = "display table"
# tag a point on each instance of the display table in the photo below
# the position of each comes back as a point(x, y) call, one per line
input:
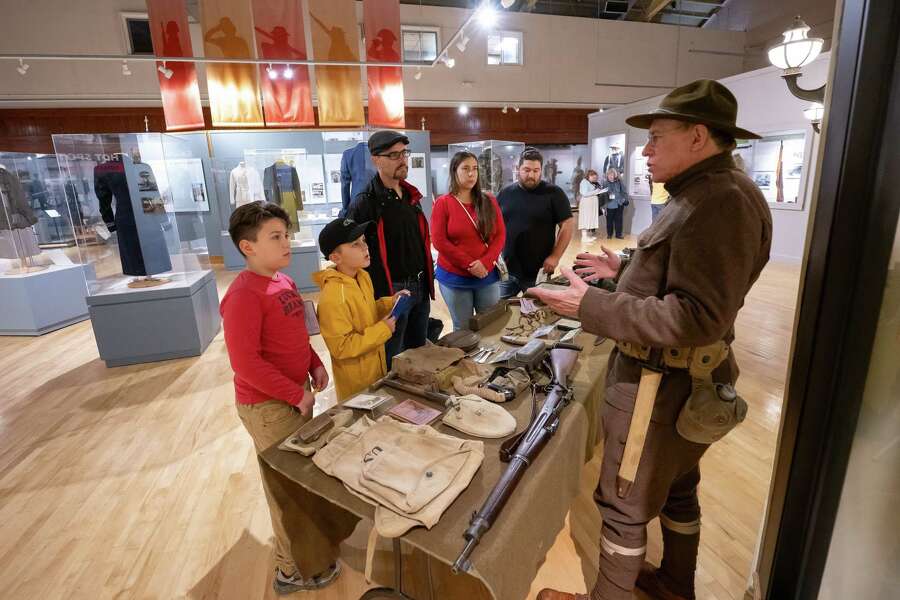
point(174, 320)
point(510, 554)
point(43, 301)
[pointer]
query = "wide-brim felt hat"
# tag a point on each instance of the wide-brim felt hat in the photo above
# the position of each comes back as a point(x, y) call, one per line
point(704, 101)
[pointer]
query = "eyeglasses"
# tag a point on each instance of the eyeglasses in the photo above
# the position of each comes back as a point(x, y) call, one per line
point(396, 154)
point(653, 138)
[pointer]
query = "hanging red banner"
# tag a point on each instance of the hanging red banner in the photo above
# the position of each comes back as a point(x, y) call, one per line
point(335, 37)
point(381, 20)
point(177, 80)
point(287, 97)
point(233, 92)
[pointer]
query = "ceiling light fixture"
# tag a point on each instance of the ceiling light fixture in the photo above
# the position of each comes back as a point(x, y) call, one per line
point(22, 68)
point(271, 72)
point(463, 42)
point(814, 114)
point(516, 108)
point(487, 16)
point(125, 70)
point(463, 109)
point(507, 3)
point(167, 72)
point(505, 109)
point(450, 62)
point(418, 74)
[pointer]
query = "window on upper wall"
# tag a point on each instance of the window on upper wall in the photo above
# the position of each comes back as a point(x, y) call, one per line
point(420, 44)
point(504, 48)
point(137, 33)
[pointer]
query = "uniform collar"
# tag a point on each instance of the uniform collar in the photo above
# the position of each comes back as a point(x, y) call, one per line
point(719, 162)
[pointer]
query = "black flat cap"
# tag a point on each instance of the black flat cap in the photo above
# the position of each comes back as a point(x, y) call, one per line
point(382, 140)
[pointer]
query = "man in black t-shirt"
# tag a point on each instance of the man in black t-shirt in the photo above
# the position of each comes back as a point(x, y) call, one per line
point(399, 241)
point(532, 210)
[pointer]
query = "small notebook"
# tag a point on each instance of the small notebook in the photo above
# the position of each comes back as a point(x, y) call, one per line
point(402, 306)
point(415, 413)
point(365, 401)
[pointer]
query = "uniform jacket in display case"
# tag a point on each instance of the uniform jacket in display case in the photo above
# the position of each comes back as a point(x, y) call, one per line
point(282, 186)
point(615, 160)
point(137, 219)
point(357, 171)
point(244, 185)
point(17, 214)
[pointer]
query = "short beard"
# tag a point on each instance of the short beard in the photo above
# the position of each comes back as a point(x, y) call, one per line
point(397, 174)
point(529, 186)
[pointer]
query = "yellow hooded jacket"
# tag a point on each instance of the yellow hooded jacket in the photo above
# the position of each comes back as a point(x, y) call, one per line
point(351, 323)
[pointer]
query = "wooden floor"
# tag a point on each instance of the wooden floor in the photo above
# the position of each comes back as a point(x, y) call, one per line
point(139, 482)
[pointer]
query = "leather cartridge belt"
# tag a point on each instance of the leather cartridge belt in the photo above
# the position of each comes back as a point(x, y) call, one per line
point(700, 361)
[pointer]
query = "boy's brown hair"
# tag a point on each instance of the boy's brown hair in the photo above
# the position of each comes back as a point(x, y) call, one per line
point(246, 220)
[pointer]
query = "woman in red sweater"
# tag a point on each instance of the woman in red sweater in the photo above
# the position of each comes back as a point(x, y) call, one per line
point(468, 232)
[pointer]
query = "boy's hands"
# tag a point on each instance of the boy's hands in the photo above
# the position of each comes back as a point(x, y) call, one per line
point(306, 404)
point(319, 378)
point(391, 322)
point(400, 293)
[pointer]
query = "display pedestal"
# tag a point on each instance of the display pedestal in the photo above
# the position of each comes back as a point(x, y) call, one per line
point(43, 301)
point(232, 258)
point(304, 262)
point(174, 320)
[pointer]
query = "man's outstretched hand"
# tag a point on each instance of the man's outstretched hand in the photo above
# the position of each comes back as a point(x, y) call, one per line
point(564, 302)
point(593, 267)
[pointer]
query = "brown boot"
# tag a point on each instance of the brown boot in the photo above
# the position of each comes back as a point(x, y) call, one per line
point(548, 594)
point(650, 584)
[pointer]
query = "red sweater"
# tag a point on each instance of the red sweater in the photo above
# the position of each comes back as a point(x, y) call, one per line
point(458, 242)
point(266, 337)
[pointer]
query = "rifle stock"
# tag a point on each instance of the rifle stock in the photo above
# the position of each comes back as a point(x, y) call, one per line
point(522, 450)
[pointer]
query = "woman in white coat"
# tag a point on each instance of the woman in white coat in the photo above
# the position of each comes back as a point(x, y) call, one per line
point(589, 208)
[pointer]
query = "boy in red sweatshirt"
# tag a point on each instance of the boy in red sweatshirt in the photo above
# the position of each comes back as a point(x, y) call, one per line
point(273, 363)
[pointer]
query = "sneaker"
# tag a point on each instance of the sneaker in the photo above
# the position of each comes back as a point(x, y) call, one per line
point(284, 584)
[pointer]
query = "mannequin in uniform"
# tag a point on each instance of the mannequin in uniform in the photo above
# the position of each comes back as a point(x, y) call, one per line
point(17, 240)
point(281, 185)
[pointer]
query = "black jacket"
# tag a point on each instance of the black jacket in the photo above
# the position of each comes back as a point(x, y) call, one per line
point(369, 206)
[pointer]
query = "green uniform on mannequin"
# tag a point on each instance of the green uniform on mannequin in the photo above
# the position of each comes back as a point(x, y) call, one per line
point(682, 290)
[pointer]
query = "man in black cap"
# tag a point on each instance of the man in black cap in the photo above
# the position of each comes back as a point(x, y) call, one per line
point(399, 243)
point(673, 316)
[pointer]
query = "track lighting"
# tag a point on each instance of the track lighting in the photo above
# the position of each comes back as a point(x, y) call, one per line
point(271, 72)
point(167, 72)
point(516, 108)
point(450, 62)
point(505, 109)
point(288, 72)
point(125, 70)
point(23, 67)
point(418, 74)
point(463, 109)
point(463, 42)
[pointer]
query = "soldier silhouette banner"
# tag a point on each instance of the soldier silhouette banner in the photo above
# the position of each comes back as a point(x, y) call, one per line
point(177, 80)
point(287, 97)
point(335, 37)
point(381, 20)
point(233, 91)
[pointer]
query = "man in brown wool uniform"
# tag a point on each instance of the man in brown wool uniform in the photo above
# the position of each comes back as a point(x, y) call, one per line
point(672, 315)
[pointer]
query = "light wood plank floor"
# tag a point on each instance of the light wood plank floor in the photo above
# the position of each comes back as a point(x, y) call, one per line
point(139, 482)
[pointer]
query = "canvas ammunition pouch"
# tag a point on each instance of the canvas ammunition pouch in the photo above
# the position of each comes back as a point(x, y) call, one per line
point(433, 367)
point(712, 409)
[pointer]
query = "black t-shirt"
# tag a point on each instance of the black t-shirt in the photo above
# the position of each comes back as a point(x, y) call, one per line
point(531, 217)
point(403, 239)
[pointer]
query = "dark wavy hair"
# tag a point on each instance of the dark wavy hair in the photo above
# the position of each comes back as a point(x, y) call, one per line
point(246, 221)
point(484, 208)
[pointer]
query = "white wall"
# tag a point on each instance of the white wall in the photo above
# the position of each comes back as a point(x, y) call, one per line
point(765, 21)
point(765, 107)
point(563, 58)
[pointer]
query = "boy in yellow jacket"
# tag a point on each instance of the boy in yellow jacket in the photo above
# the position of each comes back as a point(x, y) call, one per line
point(353, 324)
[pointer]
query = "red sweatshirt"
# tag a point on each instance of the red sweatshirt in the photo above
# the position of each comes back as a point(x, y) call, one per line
point(266, 337)
point(457, 241)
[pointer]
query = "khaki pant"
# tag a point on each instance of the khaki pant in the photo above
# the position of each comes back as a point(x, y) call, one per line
point(308, 529)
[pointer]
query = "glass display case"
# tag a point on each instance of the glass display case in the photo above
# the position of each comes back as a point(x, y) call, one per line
point(42, 284)
point(497, 162)
point(139, 208)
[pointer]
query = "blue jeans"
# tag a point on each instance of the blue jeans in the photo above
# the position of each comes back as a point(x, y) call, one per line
point(412, 328)
point(512, 286)
point(463, 301)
